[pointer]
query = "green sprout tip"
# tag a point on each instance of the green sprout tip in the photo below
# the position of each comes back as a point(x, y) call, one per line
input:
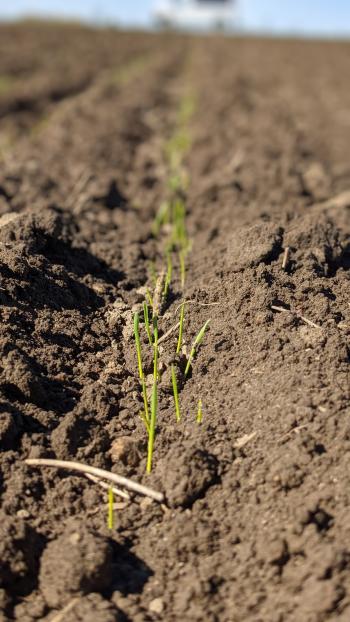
point(179, 341)
point(199, 418)
point(198, 340)
point(176, 393)
point(110, 508)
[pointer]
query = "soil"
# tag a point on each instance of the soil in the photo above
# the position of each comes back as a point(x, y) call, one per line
point(256, 522)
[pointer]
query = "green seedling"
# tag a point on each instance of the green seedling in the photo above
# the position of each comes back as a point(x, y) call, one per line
point(177, 147)
point(110, 509)
point(147, 325)
point(181, 328)
point(198, 340)
point(155, 357)
point(187, 109)
point(138, 344)
point(161, 218)
point(182, 268)
point(153, 271)
point(149, 298)
point(123, 75)
point(145, 415)
point(154, 399)
point(199, 418)
point(152, 427)
point(5, 83)
point(168, 275)
point(175, 393)
point(179, 227)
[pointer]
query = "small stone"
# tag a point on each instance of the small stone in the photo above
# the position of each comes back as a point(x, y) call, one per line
point(145, 503)
point(23, 514)
point(125, 450)
point(156, 606)
point(74, 538)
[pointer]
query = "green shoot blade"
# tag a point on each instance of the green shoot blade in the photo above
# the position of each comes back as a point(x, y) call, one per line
point(176, 393)
point(110, 508)
point(199, 418)
point(152, 427)
point(149, 296)
point(147, 325)
point(154, 399)
point(198, 340)
point(168, 274)
point(161, 218)
point(182, 268)
point(155, 359)
point(145, 401)
point(179, 341)
point(138, 344)
point(145, 421)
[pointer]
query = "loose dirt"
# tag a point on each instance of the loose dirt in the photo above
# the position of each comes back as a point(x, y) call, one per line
point(256, 523)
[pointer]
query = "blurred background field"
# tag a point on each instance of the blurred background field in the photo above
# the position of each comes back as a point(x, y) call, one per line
point(311, 18)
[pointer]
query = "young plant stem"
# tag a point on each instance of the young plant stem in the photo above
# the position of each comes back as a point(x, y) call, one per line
point(176, 393)
point(179, 215)
point(139, 361)
point(179, 341)
point(147, 325)
point(182, 267)
point(154, 399)
point(168, 274)
point(110, 508)
point(199, 418)
point(150, 299)
point(152, 428)
point(138, 344)
point(198, 340)
point(161, 218)
point(155, 337)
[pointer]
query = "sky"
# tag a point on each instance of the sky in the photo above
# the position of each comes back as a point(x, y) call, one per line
point(282, 16)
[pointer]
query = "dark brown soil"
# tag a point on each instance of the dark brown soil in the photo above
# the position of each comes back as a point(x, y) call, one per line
point(256, 524)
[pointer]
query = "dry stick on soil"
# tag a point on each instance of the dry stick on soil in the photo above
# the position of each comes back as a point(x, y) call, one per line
point(304, 319)
point(201, 304)
point(168, 333)
point(101, 473)
point(61, 616)
point(117, 491)
point(285, 258)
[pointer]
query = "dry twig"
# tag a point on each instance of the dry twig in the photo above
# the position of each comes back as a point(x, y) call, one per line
point(100, 473)
point(102, 484)
point(168, 333)
point(301, 317)
point(285, 258)
point(60, 617)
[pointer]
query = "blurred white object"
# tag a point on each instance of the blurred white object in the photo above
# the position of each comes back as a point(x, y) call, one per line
point(195, 14)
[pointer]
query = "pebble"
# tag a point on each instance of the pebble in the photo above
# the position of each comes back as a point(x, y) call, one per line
point(156, 606)
point(23, 514)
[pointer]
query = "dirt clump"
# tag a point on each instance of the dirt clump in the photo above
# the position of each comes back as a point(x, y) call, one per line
point(78, 561)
